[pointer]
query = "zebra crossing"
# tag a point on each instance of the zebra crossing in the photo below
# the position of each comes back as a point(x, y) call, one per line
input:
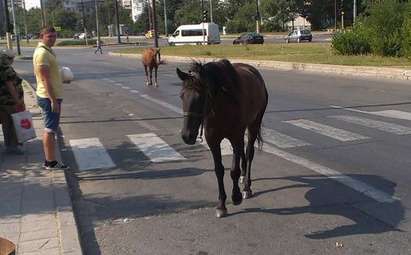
point(90, 153)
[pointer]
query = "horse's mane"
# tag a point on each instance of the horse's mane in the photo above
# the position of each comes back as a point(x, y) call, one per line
point(218, 76)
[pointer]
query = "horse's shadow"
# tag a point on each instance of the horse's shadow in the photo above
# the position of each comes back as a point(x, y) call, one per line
point(369, 216)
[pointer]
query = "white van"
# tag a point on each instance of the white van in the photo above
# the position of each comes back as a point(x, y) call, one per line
point(193, 34)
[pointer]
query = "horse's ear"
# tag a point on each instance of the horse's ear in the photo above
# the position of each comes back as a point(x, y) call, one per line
point(182, 75)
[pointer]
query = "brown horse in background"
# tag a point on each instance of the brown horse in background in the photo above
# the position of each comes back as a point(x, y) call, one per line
point(227, 99)
point(151, 59)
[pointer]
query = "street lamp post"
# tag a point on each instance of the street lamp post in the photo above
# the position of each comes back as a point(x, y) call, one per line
point(97, 25)
point(165, 19)
point(84, 22)
point(155, 24)
point(257, 17)
point(354, 13)
point(117, 21)
point(8, 26)
point(211, 10)
point(43, 16)
point(15, 28)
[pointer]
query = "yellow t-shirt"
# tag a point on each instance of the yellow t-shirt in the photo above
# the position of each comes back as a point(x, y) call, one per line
point(44, 56)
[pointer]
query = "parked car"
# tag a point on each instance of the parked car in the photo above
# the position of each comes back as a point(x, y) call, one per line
point(76, 35)
point(249, 38)
point(299, 35)
point(82, 36)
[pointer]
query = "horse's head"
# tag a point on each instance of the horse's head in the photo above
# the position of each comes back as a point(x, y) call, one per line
point(193, 95)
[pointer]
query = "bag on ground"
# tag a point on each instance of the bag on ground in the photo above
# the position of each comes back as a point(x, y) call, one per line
point(23, 124)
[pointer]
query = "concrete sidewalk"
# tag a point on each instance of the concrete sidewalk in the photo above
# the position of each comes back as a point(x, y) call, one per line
point(35, 207)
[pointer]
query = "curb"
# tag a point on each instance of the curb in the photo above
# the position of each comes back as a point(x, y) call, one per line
point(68, 232)
point(354, 71)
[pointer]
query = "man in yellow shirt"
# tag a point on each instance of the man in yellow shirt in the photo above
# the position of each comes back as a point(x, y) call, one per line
point(49, 93)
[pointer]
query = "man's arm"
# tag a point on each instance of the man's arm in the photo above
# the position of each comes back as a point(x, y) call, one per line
point(45, 77)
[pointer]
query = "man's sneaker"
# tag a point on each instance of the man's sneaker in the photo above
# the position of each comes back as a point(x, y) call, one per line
point(54, 165)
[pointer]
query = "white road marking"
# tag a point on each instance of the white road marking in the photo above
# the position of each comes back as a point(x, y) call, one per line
point(395, 114)
point(1, 136)
point(118, 84)
point(134, 91)
point(225, 145)
point(164, 104)
point(155, 148)
point(125, 87)
point(335, 133)
point(380, 125)
point(90, 154)
point(281, 140)
point(354, 184)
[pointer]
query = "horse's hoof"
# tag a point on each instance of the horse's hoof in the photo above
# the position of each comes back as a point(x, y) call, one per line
point(242, 178)
point(147, 84)
point(156, 85)
point(237, 199)
point(247, 194)
point(219, 213)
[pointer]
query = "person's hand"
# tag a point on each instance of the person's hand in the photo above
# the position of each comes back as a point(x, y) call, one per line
point(55, 107)
point(20, 106)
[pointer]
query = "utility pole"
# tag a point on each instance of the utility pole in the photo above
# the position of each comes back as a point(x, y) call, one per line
point(15, 28)
point(117, 21)
point(155, 24)
point(43, 16)
point(8, 26)
point(165, 19)
point(97, 25)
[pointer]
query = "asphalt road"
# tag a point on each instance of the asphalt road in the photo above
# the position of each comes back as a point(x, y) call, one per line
point(329, 180)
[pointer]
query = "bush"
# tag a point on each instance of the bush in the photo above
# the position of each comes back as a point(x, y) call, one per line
point(385, 25)
point(352, 42)
point(406, 29)
point(77, 42)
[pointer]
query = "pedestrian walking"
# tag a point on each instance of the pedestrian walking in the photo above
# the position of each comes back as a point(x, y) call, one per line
point(49, 93)
point(98, 48)
point(11, 101)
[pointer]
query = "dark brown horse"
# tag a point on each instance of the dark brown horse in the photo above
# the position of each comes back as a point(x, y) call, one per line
point(151, 60)
point(227, 99)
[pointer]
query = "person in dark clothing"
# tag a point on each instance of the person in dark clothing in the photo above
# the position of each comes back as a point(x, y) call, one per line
point(11, 100)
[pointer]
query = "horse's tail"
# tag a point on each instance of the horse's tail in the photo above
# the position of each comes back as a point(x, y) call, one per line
point(260, 140)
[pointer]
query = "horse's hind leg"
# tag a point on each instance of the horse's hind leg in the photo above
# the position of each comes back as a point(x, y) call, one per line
point(238, 148)
point(253, 130)
point(145, 69)
point(221, 210)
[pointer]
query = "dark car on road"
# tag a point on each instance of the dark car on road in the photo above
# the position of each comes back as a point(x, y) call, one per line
point(299, 36)
point(249, 38)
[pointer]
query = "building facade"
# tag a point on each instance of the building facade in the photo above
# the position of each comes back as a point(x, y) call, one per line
point(126, 4)
point(137, 7)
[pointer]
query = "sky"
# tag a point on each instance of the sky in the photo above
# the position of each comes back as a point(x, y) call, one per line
point(32, 3)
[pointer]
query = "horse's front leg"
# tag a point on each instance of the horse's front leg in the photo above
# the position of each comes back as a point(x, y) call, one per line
point(145, 69)
point(221, 210)
point(151, 75)
point(238, 149)
point(155, 76)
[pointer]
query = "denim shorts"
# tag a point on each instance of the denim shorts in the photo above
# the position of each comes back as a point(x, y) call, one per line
point(51, 119)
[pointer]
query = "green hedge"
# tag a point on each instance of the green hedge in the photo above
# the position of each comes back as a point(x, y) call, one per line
point(76, 42)
point(386, 31)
